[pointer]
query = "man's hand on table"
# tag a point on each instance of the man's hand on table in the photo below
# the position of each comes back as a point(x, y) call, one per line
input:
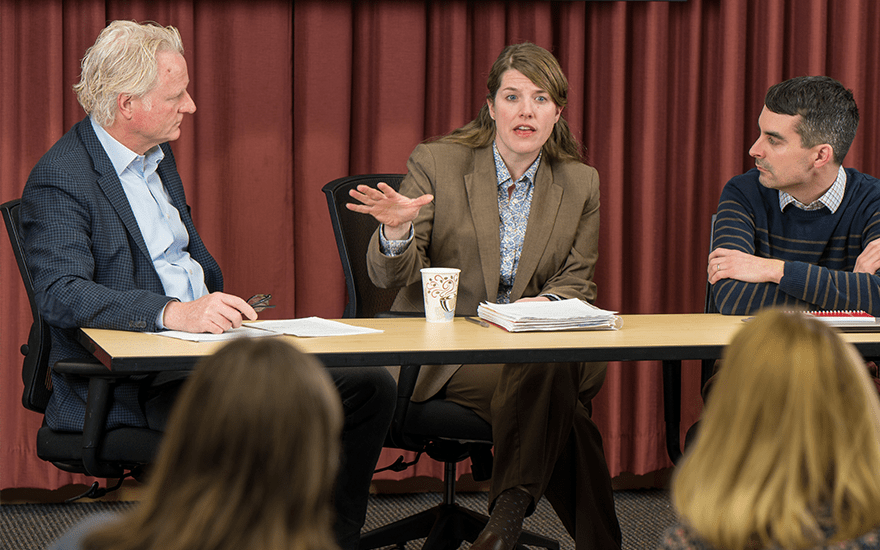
point(214, 313)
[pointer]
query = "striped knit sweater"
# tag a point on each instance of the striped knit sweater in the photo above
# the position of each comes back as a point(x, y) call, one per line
point(819, 248)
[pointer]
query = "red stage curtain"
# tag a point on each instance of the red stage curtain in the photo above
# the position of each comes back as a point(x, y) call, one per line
point(291, 95)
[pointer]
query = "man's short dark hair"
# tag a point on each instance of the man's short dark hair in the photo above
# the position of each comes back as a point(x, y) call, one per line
point(828, 111)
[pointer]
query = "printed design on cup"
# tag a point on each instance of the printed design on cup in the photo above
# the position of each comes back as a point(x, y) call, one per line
point(442, 288)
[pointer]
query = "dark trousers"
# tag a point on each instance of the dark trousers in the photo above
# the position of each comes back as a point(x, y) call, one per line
point(545, 440)
point(368, 401)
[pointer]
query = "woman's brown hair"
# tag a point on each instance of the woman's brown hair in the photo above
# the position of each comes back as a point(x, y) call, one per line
point(248, 460)
point(542, 68)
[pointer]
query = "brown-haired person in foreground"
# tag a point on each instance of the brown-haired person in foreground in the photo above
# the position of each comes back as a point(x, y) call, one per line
point(788, 450)
point(248, 461)
point(508, 200)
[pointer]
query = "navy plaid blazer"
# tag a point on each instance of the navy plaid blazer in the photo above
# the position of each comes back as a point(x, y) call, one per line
point(90, 264)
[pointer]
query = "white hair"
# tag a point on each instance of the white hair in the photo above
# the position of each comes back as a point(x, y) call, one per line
point(122, 60)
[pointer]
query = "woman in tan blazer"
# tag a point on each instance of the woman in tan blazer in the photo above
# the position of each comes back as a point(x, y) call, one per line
point(507, 200)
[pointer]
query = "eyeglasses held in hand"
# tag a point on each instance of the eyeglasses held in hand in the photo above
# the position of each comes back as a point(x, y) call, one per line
point(259, 302)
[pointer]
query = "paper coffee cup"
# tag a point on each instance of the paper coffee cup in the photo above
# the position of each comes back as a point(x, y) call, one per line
point(440, 289)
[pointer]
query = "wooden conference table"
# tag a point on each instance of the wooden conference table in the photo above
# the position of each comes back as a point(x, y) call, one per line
point(669, 338)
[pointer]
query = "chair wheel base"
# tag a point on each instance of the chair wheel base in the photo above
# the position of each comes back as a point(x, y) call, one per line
point(444, 527)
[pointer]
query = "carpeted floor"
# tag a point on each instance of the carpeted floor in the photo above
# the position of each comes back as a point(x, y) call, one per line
point(643, 515)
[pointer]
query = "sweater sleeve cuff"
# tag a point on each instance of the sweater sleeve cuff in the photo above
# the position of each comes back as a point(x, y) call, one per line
point(794, 279)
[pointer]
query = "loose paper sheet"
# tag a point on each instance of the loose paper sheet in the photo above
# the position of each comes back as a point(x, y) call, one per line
point(241, 332)
point(312, 326)
point(307, 327)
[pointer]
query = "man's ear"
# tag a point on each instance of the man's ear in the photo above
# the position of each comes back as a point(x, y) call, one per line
point(824, 155)
point(123, 105)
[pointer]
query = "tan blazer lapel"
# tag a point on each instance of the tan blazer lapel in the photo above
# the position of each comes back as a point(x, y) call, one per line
point(546, 200)
point(482, 192)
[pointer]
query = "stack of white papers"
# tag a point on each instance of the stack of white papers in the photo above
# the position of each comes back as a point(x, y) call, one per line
point(570, 314)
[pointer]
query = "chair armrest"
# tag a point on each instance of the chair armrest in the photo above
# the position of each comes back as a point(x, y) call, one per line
point(85, 368)
point(94, 427)
point(101, 379)
point(406, 380)
point(406, 383)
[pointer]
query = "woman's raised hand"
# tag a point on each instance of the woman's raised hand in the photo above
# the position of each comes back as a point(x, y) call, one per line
point(389, 207)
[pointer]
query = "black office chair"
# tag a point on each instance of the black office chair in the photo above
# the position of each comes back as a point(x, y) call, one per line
point(709, 307)
point(117, 453)
point(707, 366)
point(446, 431)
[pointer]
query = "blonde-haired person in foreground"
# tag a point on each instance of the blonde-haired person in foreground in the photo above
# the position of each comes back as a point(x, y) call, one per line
point(248, 461)
point(789, 446)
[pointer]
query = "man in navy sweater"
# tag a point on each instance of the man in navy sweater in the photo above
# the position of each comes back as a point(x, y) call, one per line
point(799, 230)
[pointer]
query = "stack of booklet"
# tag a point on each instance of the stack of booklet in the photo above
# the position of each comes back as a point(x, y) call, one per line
point(570, 314)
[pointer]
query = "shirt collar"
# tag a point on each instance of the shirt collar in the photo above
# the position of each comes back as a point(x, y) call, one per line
point(503, 174)
point(830, 200)
point(120, 155)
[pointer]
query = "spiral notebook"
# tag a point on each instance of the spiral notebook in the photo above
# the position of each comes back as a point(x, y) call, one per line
point(844, 320)
point(848, 321)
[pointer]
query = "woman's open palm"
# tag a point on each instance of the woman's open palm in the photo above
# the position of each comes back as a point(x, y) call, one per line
point(387, 205)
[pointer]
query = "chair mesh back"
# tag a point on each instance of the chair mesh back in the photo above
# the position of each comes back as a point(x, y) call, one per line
point(709, 306)
point(35, 369)
point(353, 232)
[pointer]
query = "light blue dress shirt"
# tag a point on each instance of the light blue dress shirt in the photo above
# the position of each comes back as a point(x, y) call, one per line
point(158, 220)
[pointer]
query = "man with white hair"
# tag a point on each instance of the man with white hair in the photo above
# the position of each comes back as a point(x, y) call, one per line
point(111, 244)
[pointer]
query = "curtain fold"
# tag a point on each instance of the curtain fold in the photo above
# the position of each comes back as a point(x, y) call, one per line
point(292, 94)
